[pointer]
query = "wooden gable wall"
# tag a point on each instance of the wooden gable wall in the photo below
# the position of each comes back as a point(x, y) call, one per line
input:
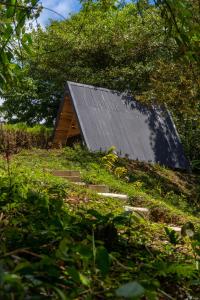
point(67, 124)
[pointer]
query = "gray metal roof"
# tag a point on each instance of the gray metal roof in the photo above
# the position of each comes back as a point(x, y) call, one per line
point(109, 118)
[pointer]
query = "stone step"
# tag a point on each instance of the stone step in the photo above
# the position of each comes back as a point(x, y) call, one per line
point(140, 210)
point(111, 195)
point(62, 173)
point(81, 183)
point(98, 188)
point(175, 228)
point(74, 179)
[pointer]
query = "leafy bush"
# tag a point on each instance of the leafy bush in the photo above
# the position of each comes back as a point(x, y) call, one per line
point(111, 163)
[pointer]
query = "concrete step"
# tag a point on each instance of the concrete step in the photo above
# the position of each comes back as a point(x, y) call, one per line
point(136, 209)
point(140, 210)
point(81, 183)
point(175, 228)
point(98, 188)
point(111, 195)
point(74, 179)
point(62, 173)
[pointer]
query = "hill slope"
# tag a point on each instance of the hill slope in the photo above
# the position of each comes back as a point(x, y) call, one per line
point(64, 241)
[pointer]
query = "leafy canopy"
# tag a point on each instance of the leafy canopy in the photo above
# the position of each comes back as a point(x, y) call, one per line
point(112, 47)
point(13, 35)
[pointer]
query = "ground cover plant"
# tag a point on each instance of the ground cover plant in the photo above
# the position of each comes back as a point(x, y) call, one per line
point(62, 241)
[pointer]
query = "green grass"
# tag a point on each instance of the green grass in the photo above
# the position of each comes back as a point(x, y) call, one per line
point(37, 129)
point(173, 205)
point(79, 245)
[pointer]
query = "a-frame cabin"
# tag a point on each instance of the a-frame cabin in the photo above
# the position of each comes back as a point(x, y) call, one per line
point(102, 118)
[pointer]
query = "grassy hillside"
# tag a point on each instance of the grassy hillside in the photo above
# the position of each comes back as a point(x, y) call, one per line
point(63, 241)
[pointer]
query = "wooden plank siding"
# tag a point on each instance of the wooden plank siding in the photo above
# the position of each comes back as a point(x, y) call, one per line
point(67, 124)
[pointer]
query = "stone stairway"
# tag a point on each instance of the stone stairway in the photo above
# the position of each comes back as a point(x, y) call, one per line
point(74, 176)
point(100, 188)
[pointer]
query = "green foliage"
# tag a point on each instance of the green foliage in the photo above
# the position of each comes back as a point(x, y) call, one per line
point(111, 162)
point(110, 47)
point(13, 37)
point(173, 83)
point(196, 164)
point(110, 159)
point(30, 100)
point(102, 260)
point(61, 241)
point(37, 129)
point(182, 19)
point(120, 172)
point(172, 235)
point(176, 78)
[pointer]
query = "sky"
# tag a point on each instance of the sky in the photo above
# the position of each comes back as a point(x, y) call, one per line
point(63, 7)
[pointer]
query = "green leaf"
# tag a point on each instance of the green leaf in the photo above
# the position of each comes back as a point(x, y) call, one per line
point(8, 31)
point(11, 9)
point(130, 290)
point(4, 58)
point(84, 280)
point(11, 278)
point(26, 48)
point(13, 66)
point(21, 18)
point(60, 293)
point(102, 260)
point(27, 38)
point(172, 235)
point(22, 267)
point(34, 2)
point(77, 276)
point(84, 251)
point(2, 77)
point(62, 252)
point(74, 274)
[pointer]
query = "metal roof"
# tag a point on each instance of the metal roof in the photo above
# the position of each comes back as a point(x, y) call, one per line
point(110, 118)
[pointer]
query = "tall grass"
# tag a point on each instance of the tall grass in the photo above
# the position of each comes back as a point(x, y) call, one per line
point(14, 137)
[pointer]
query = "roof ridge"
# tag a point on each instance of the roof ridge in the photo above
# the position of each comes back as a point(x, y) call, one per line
point(94, 87)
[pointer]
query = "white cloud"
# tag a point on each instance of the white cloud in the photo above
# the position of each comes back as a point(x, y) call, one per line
point(62, 7)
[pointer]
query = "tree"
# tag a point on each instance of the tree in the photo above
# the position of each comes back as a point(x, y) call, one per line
point(112, 47)
point(13, 35)
point(182, 22)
